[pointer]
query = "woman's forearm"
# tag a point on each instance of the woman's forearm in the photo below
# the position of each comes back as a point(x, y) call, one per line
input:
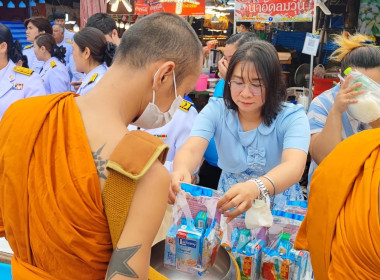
point(324, 142)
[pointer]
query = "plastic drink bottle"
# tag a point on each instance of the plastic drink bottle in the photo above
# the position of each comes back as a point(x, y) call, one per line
point(367, 109)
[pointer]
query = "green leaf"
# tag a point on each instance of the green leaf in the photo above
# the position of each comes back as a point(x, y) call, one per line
point(375, 30)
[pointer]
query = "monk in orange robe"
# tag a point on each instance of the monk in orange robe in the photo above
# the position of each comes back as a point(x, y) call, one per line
point(342, 228)
point(54, 150)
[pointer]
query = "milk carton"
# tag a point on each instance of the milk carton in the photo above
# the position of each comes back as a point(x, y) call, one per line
point(188, 248)
point(170, 245)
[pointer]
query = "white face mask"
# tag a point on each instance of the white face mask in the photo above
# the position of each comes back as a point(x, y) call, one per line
point(152, 117)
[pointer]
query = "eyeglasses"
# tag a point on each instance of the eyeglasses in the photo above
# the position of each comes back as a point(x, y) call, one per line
point(238, 87)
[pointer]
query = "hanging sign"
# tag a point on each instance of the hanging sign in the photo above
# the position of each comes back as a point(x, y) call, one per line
point(311, 44)
point(180, 7)
point(274, 10)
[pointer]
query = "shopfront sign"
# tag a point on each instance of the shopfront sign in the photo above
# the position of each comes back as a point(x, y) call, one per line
point(181, 7)
point(274, 10)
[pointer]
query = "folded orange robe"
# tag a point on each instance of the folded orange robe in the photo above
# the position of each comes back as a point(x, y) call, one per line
point(51, 208)
point(342, 229)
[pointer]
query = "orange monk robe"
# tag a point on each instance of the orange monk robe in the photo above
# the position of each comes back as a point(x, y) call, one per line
point(342, 229)
point(51, 208)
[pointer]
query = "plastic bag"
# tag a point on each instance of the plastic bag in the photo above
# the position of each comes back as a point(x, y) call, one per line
point(193, 239)
point(367, 109)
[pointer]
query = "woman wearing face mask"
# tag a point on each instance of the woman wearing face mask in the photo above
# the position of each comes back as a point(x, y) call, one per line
point(15, 82)
point(92, 55)
point(262, 142)
point(35, 26)
point(54, 73)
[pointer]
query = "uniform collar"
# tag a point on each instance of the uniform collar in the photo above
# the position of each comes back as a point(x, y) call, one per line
point(7, 78)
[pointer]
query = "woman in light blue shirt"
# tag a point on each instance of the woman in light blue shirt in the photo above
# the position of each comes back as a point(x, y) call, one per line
point(54, 73)
point(262, 142)
point(92, 55)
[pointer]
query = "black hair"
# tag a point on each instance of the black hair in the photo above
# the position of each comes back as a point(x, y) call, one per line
point(48, 42)
point(264, 58)
point(14, 51)
point(59, 15)
point(245, 24)
point(103, 22)
point(241, 38)
point(161, 36)
point(93, 39)
point(42, 23)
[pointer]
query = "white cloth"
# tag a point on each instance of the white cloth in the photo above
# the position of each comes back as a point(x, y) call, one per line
point(259, 215)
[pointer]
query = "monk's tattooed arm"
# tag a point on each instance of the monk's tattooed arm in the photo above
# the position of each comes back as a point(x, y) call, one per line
point(100, 163)
point(119, 262)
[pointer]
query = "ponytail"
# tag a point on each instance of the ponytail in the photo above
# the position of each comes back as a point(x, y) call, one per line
point(15, 52)
point(100, 50)
point(356, 50)
point(109, 53)
point(59, 53)
point(48, 42)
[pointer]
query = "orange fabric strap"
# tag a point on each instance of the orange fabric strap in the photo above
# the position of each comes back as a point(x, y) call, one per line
point(130, 160)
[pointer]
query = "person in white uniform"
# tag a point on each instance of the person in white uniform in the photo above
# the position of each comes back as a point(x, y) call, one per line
point(92, 55)
point(54, 73)
point(15, 82)
point(35, 26)
point(58, 34)
point(175, 132)
point(59, 18)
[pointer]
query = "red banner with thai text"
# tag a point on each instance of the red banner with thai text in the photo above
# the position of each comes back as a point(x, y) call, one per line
point(145, 7)
point(274, 10)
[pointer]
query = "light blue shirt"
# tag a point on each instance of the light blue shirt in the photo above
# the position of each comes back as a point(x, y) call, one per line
point(317, 114)
point(68, 35)
point(219, 88)
point(69, 51)
point(15, 86)
point(33, 62)
point(92, 78)
point(56, 78)
point(244, 155)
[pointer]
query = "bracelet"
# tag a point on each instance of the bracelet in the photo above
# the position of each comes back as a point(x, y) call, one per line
point(264, 193)
point(271, 181)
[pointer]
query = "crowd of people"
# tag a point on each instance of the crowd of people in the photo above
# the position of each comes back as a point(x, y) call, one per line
point(83, 190)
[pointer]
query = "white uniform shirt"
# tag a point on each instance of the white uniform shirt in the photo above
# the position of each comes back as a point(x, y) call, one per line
point(92, 78)
point(55, 76)
point(15, 86)
point(68, 35)
point(175, 132)
point(33, 62)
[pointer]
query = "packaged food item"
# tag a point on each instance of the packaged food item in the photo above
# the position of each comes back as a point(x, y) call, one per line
point(274, 267)
point(254, 248)
point(195, 233)
point(188, 246)
point(244, 238)
point(170, 246)
point(210, 245)
point(284, 243)
point(367, 109)
point(201, 221)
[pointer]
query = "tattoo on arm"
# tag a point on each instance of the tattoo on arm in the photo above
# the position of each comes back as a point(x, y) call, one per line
point(100, 163)
point(119, 262)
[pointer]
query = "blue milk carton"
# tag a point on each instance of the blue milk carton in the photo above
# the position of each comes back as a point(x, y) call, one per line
point(170, 244)
point(188, 244)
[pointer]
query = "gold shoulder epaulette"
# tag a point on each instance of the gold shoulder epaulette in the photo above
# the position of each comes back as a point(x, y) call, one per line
point(93, 78)
point(53, 64)
point(28, 46)
point(23, 70)
point(185, 105)
point(70, 42)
